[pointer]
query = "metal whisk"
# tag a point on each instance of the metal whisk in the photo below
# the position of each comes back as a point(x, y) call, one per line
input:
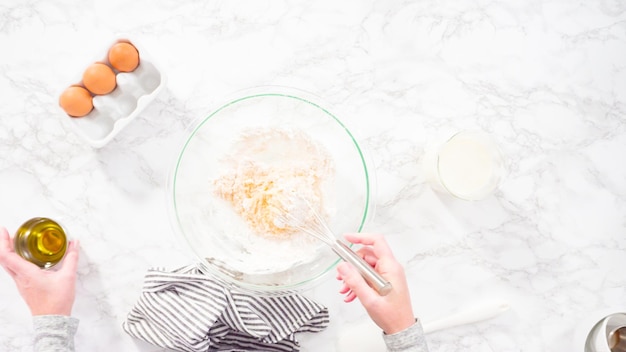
point(314, 225)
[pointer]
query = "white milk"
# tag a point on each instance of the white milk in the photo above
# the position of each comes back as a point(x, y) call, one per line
point(468, 165)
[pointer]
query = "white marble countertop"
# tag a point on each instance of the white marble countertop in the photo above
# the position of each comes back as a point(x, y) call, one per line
point(547, 79)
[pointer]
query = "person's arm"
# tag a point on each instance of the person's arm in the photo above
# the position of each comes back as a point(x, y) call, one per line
point(54, 333)
point(410, 339)
point(393, 313)
point(48, 293)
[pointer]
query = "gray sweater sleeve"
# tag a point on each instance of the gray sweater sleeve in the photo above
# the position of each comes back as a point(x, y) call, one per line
point(54, 333)
point(409, 340)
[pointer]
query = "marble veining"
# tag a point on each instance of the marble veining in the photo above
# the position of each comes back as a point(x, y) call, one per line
point(546, 79)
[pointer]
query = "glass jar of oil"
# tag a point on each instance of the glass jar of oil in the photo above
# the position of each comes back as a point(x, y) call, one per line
point(41, 241)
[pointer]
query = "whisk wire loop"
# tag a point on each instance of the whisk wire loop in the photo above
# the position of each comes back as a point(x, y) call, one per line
point(315, 226)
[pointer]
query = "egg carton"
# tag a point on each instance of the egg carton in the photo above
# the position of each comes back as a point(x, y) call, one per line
point(113, 111)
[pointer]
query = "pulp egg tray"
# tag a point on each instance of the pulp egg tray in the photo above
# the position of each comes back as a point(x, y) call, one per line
point(113, 111)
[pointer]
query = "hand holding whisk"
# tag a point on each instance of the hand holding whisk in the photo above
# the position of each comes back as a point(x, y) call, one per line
point(305, 218)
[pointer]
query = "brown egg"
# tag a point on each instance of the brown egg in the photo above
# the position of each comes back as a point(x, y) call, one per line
point(124, 57)
point(99, 78)
point(76, 101)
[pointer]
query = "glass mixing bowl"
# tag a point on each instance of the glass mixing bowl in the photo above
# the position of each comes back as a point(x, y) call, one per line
point(221, 240)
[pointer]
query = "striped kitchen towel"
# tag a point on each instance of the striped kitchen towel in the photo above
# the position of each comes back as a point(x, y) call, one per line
point(187, 310)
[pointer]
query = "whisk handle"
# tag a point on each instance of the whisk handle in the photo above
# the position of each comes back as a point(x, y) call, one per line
point(382, 286)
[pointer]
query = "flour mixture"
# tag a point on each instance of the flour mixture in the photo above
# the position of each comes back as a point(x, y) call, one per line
point(263, 169)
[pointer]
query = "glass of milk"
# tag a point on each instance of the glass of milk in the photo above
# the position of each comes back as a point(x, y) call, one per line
point(468, 166)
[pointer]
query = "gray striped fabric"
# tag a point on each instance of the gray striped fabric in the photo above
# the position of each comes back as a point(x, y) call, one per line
point(186, 310)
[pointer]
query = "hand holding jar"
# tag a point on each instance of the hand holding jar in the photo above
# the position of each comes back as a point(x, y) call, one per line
point(45, 291)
